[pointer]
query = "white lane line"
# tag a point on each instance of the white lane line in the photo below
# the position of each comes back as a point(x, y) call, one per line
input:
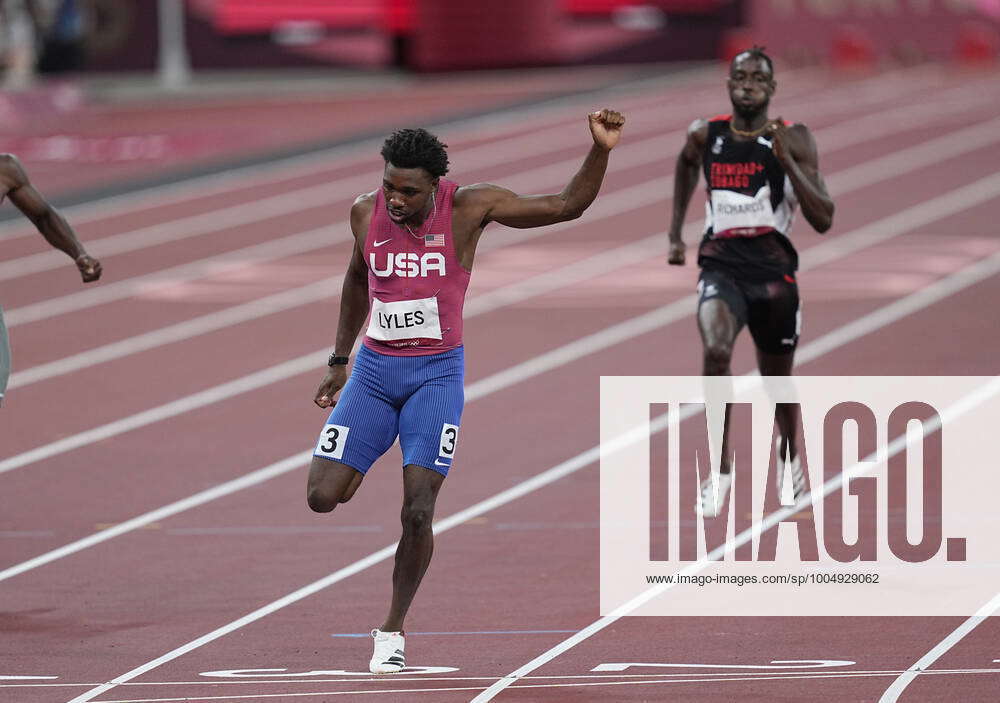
point(929, 153)
point(872, 322)
point(277, 679)
point(929, 211)
point(480, 305)
point(892, 226)
point(194, 225)
point(337, 192)
point(216, 265)
point(340, 190)
point(569, 685)
point(886, 86)
point(12, 677)
point(607, 206)
point(636, 154)
point(622, 201)
point(503, 122)
point(171, 334)
point(897, 687)
point(343, 189)
point(247, 480)
point(951, 203)
point(630, 155)
point(531, 485)
point(580, 270)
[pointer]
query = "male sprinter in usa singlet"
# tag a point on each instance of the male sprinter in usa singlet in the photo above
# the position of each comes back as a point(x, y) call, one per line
point(415, 241)
point(757, 170)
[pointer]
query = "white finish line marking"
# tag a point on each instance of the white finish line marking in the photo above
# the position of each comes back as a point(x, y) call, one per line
point(775, 664)
point(831, 341)
point(899, 685)
point(660, 680)
point(257, 673)
point(12, 677)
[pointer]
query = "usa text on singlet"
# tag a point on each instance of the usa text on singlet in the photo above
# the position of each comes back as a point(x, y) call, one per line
point(416, 285)
point(750, 208)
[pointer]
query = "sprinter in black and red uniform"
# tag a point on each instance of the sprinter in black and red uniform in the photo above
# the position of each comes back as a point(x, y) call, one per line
point(757, 170)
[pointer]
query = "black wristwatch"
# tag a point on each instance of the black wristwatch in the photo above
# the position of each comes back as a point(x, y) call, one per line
point(335, 360)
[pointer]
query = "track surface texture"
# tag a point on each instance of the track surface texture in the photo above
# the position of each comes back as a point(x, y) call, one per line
point(154, 533)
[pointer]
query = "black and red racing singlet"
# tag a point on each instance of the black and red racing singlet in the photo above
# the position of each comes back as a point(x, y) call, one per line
point(750, 207)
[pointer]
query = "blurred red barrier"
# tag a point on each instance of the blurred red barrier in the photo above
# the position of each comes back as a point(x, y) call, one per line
point(977, 43)
point(262, 16)
point(607, 7)
point(852, 47)
point(863, 31)
point(457, 34)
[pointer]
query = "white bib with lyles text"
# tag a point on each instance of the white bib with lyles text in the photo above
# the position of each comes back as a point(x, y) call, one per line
point(405, 319)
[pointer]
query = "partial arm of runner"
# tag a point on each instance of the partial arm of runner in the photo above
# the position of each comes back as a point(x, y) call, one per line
point(508, 208)
point(46, 218)
point(353, 309)
point(795, 148)
point(685, 181)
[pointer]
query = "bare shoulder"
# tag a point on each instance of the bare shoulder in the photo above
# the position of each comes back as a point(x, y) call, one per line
point(11, 171)
point(802, 141)
point(479, 194)
point(478, 199)
point(694, 142)
point(361, 215)
point(800, 132)
point(9, 161)
point(363, 205)
point(697, 131)
point(361, 210)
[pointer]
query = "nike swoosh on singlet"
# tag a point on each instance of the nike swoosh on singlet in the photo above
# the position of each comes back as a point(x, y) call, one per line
point(438, 462)
point(378, 244)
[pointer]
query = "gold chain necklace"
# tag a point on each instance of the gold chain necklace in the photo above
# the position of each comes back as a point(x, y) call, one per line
point(429, 218)
point(753, 133)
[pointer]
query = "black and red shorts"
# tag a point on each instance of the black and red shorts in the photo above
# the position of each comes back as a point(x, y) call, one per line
point(770, 309)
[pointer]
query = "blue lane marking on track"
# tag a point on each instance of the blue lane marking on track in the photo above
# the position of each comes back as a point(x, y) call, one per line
point(474, 632)
point(272, 529)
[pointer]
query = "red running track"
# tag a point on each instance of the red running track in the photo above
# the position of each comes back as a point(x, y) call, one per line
point(116, 437)
point(111, 136)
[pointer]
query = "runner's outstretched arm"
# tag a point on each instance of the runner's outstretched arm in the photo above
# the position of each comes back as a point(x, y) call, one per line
point(685, 181)
point(506, 207)
point(795, 148)
point(353, 306)
point(53, 226)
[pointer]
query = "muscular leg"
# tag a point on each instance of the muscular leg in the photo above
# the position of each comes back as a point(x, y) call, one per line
point(719, 327)
point(413, 555)
point(786, 414)
point(330, 482)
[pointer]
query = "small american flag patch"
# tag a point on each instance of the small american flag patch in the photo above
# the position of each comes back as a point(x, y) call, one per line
point(433, 240)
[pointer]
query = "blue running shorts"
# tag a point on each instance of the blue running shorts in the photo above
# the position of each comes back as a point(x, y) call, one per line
point(417, 398)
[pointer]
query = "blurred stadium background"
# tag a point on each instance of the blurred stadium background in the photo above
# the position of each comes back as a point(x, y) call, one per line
point(80, 74)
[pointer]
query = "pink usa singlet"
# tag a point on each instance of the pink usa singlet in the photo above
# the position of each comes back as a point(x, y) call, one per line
point(416, 285)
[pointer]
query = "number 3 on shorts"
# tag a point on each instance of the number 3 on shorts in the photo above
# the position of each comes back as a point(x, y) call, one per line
point(331, 441)
point(449, 435)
